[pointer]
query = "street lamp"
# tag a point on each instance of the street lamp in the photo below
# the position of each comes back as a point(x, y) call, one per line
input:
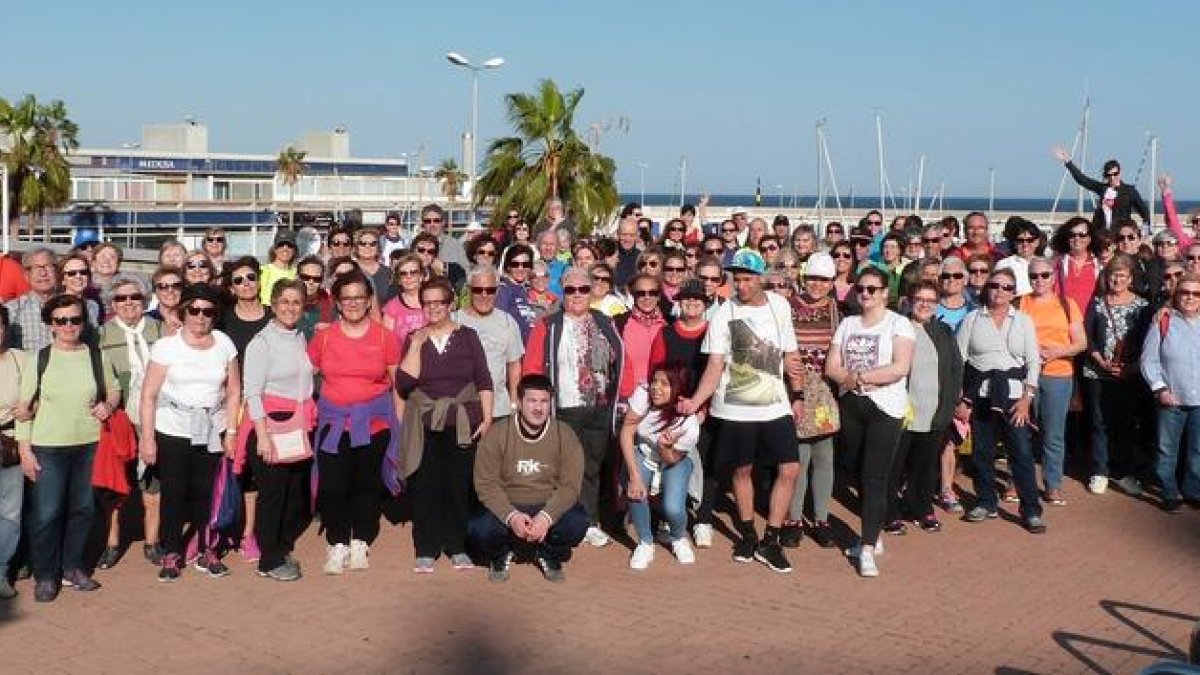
point(491, 64)
point(643, 166)
point(4, 207)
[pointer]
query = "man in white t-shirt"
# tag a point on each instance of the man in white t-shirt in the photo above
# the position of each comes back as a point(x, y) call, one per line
point(499, 334)
point(748, 341)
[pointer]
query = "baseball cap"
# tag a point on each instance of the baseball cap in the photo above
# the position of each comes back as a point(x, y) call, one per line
point(691, 289)
point(747, 260)
point(738, 210)
point(820, 264)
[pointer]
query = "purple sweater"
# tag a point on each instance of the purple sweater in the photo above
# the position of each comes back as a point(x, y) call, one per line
point(444, 374)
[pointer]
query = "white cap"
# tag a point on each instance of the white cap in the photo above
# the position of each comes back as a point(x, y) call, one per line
point(736, 210)
point(820, 264)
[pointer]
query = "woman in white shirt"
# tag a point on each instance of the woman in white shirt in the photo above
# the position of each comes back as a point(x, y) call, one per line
point(658, 447)
point(870, 358)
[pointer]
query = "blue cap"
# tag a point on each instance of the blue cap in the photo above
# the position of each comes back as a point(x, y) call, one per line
point(747, 260)
point(86, 235)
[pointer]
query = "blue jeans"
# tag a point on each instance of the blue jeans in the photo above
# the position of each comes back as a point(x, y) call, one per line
point(674, 500)
point(985, 425)
point(1173, 421)
point(12, 489)
point(1053, 403)
point(60, 516)
point(491, 538)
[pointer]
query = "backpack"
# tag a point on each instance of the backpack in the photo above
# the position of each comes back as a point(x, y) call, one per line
point(43, 362)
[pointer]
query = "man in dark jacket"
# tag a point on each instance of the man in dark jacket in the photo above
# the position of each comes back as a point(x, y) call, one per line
point(1117, 200)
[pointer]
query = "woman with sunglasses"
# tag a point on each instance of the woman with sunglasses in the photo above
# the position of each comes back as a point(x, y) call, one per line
point(191, 389)
point(835, 233)
point(844, 265)
point(281, 264)
point(869, 358)
point(444, 369)
point(75, 273)
point(199, 269)
point(1003, 365)
point(674, 272)
point(1060, 334)
point(673, 234)
point(1077, 247)
point(339, 244)
point(357, 440)
point(215, 247)
point(403, 314)
point(541, 298)
point(168, 290)
point(979, 268)
point(367, 255)
point(1024, 240)
point(126, 340)
point(768, 247)
point(1116, 324)
point(319, 309)
point(603, 298)
point(638, 329)
point(513, 294)
point(62, 410)
point(482, 249)
point(580, 350)
point(1117, 200)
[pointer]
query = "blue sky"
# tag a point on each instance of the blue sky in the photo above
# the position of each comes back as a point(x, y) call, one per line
point(735, 86)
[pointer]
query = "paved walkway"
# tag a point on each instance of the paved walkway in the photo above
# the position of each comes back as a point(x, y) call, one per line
point(1114, 586)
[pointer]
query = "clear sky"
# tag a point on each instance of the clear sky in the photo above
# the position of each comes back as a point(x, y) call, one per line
point(735, 86)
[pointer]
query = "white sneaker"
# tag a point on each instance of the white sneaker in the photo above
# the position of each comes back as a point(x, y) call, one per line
point(1098, 485)
point(642, 556)
point(866, 564)
point(703, 534)
point(336, 558)
point(879, 547)
point(359, 550)
point(1131, 485)
point(596, 537)
point(683, 551)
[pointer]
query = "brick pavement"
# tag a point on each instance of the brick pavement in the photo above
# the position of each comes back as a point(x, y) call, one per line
point(1112, 587)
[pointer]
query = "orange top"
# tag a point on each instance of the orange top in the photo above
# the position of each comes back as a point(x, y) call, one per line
point(1053, 328)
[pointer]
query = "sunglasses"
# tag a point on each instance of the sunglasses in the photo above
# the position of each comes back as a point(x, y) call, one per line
point(513, 216)
point(1113, 174)
point(674, 268)
point(868, 290)
point(947, 276)
point(427, 250)
point(1193, 257)
point(997, 286)
point(1187, 294)
point(834, 230)
point(169, 285)
point(861, 243)
point(1040, 275)
point(431, 220)
point(711, 279)
point(1128, 237)
point(601, 279)
point(979, 270)
point(484, 290)
point(768, 247)
point(197, 265)
point(311, 278)
point(248, 278)
point(843, 255)
point(208, 312)
point(713, 251)
point(370, 243)
point(1026, 240)
point(648, 263)
point(689, 254)
point(674, 229)
point(1172, 275)
point(215, 240)
point(520, 264)
point(128, 297)
point(645, 293)
point(1076, 234)
point(77, 320)
point(931, 240)
point(491, 253)
point(75, 273)
point(577, 290)
point(776, 286)
point(339, 242)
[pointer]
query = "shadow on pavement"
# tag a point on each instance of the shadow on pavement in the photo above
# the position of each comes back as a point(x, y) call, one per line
point(1125, 613)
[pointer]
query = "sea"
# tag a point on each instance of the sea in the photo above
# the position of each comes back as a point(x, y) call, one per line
point(950, 205)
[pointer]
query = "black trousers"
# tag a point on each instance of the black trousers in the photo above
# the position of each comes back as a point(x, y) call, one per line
point(593, 426)
point(868, 438)
point(281, 505)
point(350, 489)
point(916, 470)
point(186, 473)
point(440, 495)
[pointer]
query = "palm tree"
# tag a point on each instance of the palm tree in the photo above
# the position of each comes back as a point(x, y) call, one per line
point(452, 178)
point(547, 159)
point(291, 168)
point(34, 142)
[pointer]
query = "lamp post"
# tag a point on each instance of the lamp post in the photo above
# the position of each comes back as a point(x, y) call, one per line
point(4, 207)
point(643, 166)
point(491, 64)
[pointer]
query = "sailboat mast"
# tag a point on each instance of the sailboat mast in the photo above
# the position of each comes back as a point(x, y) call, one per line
point(879, 150)
point(1087, 114)
point(1153, 178)
point(820, 179)
point(920, 180)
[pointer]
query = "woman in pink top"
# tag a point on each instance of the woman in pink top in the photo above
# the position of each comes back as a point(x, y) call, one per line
point(638, 328)
point(402, 314)
point(1077, 265)
point(1173, 224)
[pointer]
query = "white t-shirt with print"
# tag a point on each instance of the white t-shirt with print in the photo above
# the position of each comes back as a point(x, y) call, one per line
point(195, 377)
point(651, 426)
point(864, 348)
point(753, 340)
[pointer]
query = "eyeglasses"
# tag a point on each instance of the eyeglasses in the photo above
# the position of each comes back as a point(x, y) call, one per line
point(834, 230)
point(648, 263)
point(644, 293)
point(713, 251)
point(408, 272)
point(310, 278)
point(367, 242)
point(931, 240)
point(577, 290)
point(1193, 257)
point(1182, 293)
point(1026, 240)
point(484, 290)
point(248, 278)
point(674, 229)
point(674, 268)
point(728, 230)
point(768, 247)
point(435, 303)
point(73, 320)
point(1040, 275)
point(339, 242)
point(867, 290)
point(947, 276)
point(431, 220)
point(601, 279)
point(997, 286)
point(710, 278)
point(874, 222)
point(1128, 237)
point(924, 300)
point(1166, 242)
point(1079, 234)
point(1112, 174)
point(76, 273)
point(208, 312)
point(843, 255)
point(197, 265)
point(520, 264)
point(427, 250)
point(169, 285)
point(353, 298)
point(1173, 275)
point(128, 297)
point(215, 240)
point(861, 243)
point(979, 270)
point(512, 216)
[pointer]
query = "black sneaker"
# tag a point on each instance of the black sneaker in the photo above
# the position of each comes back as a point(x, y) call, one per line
point(896, 527)
point(822, 533)
point(1172, 505)
point(45, 590)
point(153, 553)
point(80, 581)
point(790, 535)
point(551, 569)
point(109, 559)
point(743, 549)
point(929, 524)
point(209, 563)
point(770, 553)
point(170, 569)
point(498, 568)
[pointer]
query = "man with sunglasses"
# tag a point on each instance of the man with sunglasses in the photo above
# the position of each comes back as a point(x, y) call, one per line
point(27, 330)
point(1118, 200)
point(499, 334)
point(450, 249)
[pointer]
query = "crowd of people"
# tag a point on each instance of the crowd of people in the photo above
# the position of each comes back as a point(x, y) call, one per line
point(532, 387)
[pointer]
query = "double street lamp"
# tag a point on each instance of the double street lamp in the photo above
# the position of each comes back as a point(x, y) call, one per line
point(491, 64)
